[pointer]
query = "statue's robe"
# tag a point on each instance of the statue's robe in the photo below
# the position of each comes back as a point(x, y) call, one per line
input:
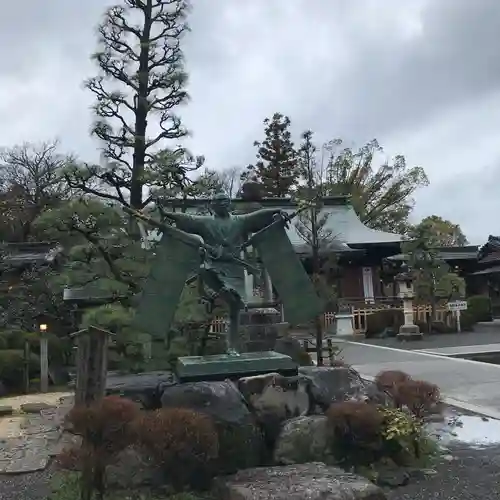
point(178, 256)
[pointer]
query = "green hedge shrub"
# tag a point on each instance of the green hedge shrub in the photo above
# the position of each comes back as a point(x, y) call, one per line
point(479, 307)
point(388, 320)
point(12, 367)
point(467, 321)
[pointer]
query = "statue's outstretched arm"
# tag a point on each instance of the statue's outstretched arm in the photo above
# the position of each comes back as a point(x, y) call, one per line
point(255, 221)
point(189, 237)
point(144, 218)
point(190, 223)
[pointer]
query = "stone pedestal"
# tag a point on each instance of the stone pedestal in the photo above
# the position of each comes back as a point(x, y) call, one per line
point(343, 325)
point(223, 366)
point(260, 328)
point(408, 331)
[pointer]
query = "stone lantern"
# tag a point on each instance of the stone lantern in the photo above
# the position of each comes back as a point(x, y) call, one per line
point(404, 280)
point(343, 322)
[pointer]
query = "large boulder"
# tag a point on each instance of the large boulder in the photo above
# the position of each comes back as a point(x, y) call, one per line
point(331, 384)
point(131, 469)
point(312, 481)
point(303, 439)
point(143, 388)
point(273, 399)
point(241, 442)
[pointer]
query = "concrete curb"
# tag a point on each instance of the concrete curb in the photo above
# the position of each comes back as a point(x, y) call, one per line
point(479, 410)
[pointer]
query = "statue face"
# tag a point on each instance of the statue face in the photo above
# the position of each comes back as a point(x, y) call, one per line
point(220, 205)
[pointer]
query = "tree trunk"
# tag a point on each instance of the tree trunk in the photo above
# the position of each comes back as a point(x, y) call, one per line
point(316, 269)
point(141, 114)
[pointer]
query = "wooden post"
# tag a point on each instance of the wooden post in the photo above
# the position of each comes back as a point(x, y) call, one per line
point(27, 356)
point(44, 363)
point(91, 364)
point(459, 326)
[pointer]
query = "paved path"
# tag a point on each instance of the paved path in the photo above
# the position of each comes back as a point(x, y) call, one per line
point(28, 441)
point(470, 382)
point(486, 333)
point(464, 350)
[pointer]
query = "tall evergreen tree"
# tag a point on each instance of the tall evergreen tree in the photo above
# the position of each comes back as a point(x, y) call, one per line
point(276, 168)
point(139, 86)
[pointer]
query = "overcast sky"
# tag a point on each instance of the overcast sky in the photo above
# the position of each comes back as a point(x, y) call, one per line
point(421, 76)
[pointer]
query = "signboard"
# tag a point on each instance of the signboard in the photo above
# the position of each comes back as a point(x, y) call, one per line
point(457, 305)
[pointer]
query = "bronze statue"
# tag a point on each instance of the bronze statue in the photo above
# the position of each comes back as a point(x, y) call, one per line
point(209, 248)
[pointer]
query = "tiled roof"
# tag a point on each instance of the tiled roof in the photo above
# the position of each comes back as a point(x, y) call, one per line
point(458, 253)
point(343, 222)
point(19, 254)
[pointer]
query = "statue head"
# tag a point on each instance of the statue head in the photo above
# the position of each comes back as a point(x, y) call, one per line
point(220, 204)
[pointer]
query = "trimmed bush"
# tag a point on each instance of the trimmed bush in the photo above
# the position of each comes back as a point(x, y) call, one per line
point(467, 321)
point(183, 442)
point(387, 320)
point(363, 436)
point(479, 306)
point(355, 432)
point(419, 396)
point(12, 367)
point(105, 428)
point(388, 379)
point(441, 327)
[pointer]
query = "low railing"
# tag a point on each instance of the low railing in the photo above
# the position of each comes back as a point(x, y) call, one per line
point(420, 314)
point(359, 315)
point(363, 303)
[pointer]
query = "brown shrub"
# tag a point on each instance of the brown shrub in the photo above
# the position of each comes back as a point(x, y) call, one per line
point(70, 459)
point(359, 419)
point(105, 424)
point(418, 396)
point(105, 428)
point(388, 379)
point(183, 442)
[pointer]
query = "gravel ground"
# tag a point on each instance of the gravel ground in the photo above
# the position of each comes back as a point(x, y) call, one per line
point(473, 475)
point(33, 486)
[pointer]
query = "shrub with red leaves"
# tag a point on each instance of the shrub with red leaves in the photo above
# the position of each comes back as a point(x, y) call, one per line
point(419, 396)
point(356, 431)
point(105, 424)
point(183, 442)
point(105, 428)
point(386, 380)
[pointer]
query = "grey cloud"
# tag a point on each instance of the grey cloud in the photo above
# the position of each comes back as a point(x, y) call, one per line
point(454, 59)
point(342, 68)
point(470, 199)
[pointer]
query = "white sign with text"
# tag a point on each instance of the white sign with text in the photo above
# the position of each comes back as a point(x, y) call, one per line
point(457, 305)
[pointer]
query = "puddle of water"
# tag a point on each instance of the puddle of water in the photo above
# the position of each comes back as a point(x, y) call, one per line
point(475, 431)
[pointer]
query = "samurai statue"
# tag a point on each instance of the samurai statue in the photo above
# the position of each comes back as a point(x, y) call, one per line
point(210, 249)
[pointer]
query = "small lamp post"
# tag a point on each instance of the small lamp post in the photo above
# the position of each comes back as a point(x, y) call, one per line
point(44, 358)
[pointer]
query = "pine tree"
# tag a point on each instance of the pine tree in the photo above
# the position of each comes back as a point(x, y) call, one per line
point(139, 87)
point(276, 168)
